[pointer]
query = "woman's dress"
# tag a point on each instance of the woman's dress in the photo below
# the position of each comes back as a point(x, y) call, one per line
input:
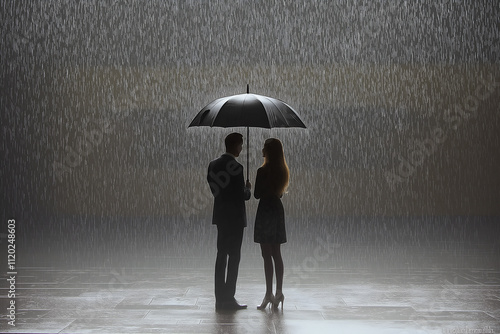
point(270, 218)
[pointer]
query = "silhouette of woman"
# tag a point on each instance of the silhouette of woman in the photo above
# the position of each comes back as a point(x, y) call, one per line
point(270, 185)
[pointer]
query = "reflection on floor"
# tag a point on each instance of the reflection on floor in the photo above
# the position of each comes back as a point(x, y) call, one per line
point(177, 300)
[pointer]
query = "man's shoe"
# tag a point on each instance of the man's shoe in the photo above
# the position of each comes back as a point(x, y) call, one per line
point(233, 305)
point(220, 306)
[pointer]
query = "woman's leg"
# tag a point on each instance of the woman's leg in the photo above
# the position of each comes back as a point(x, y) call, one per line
point(267, 253)
point(278, 265)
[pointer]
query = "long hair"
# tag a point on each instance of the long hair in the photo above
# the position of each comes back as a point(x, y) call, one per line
point(275, 163)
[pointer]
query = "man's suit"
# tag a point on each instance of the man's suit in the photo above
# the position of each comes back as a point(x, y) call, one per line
point(225, 177)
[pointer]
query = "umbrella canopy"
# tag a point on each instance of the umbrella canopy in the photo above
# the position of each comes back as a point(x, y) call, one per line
point(250, 110)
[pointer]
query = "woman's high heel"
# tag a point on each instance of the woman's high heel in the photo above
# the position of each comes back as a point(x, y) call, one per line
point(267, 299)
point(280, 298)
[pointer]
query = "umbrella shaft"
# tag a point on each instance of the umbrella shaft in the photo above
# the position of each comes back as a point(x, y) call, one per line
point(248, 151)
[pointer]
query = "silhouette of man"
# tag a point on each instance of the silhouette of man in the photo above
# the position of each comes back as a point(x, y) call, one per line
point(225, 177)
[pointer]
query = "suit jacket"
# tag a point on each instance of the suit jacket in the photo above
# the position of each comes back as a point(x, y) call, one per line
point(225, 177)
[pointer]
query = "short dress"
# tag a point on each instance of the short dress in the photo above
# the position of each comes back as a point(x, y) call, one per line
point(270, 219)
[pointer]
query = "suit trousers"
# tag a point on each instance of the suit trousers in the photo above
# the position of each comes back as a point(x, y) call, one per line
point(229, 240)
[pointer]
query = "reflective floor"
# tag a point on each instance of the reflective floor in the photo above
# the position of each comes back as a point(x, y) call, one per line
point(179, 300)
point(375, 276)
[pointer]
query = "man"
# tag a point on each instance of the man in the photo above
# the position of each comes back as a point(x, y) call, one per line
point(225, 177)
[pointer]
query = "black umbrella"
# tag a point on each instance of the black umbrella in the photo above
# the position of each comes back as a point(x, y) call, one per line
point(248, 110)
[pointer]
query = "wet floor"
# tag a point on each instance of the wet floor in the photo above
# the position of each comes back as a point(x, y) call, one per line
point(180, 299)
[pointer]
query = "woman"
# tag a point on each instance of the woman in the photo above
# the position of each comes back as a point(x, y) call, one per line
point(270, 185)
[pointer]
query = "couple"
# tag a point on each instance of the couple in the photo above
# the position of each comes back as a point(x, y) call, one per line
point(225, 177)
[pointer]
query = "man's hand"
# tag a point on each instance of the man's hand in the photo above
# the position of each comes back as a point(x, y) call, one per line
point(248, 185)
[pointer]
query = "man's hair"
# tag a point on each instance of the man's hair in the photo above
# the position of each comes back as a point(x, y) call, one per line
point(232, 140)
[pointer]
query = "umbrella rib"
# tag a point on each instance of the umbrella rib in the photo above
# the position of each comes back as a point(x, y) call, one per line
point(221, 101)
point(264, 106)
point(281, 113)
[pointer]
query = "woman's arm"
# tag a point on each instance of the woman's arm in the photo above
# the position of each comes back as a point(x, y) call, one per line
point(258, 184)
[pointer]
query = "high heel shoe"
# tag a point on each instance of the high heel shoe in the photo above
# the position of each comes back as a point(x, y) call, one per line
point(267, 299)
point(279, 298)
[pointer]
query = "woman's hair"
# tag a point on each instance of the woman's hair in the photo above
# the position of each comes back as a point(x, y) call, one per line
point(274, 162)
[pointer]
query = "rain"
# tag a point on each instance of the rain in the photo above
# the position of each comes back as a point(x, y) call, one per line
point(397, 170)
